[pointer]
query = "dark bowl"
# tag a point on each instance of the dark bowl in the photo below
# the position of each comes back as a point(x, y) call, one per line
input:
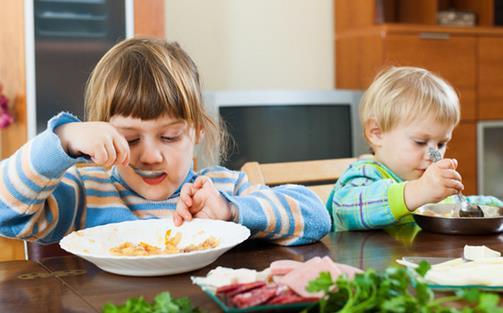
point(446, 220)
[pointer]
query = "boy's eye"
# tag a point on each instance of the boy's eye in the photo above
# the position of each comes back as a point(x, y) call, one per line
point(441, 145)
point(421, 143)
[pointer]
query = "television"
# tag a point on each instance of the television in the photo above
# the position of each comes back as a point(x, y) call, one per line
point(282, 126)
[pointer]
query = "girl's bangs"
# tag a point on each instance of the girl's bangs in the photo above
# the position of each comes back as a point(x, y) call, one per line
point(144, 96)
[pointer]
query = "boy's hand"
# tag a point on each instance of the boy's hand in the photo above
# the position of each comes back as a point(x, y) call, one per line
point(201, 199)
point(99, 140)
point(439, 181)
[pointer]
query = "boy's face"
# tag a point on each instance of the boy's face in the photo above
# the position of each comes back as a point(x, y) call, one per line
point(161, 153)
point(404, 149)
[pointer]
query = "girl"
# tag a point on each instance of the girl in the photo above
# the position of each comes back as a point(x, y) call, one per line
point(143, 103)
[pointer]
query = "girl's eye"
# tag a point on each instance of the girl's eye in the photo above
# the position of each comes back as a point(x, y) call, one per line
point(420, 143)
point(132, 142)
point(169, 139)
point(441, 145)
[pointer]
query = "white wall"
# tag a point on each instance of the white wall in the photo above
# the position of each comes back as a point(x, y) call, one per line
point(256, 44)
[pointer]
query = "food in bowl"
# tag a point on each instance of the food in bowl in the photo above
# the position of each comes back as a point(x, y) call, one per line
point(451, 210)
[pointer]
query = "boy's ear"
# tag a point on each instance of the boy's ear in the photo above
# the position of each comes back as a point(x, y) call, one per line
point(373, 132)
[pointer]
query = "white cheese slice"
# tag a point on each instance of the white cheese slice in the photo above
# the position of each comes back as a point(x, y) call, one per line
point(479, 252)
point(222, 276)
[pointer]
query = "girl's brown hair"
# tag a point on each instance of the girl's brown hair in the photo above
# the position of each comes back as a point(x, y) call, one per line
point(148, 78)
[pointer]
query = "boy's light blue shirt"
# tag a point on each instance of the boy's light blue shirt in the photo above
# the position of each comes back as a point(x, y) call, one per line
point(370, 196)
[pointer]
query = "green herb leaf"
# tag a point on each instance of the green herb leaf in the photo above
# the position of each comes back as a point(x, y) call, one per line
point(396, 290)
point(322, 283)
point(423, 268)
point(163, 303)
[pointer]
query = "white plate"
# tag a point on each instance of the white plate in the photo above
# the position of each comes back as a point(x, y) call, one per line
point(93, 244)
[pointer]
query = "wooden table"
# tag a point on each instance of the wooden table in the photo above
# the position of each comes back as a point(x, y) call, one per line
point(71, 284)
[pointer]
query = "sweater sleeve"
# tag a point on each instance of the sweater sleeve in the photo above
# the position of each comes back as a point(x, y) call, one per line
point(363, 199)
point(285, 215)
point(39, 196)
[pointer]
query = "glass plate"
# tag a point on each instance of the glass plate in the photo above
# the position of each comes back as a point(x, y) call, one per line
point(291, 307)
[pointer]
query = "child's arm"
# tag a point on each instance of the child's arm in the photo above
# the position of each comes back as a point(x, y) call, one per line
point(364, 199)
point(367, 198)
point(41, 192)
point(364, 204)
point(31, 181)
point(286, 215)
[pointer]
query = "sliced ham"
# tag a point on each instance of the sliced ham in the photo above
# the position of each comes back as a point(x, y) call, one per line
point(282, 267)
point(350, 271)
point(299, 278)
point(254, 297)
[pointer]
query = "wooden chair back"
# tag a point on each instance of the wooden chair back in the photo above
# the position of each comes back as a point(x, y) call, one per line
point(36, 251)
point(318, 175)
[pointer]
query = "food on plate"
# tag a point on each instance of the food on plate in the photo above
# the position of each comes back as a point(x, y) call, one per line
point(480, 266)
point(258, 293)
point(479, 252)
point(451, 210)
point(283, 282)
point(430, 212)
point(170, 246)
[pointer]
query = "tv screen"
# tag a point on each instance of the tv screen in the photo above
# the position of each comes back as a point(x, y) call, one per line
point(283, 133)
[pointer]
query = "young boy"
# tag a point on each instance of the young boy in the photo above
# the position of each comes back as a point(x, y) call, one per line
point(404, 112)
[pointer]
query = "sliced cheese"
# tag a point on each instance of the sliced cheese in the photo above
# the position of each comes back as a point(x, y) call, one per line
point(479, 252)
point(222, 276)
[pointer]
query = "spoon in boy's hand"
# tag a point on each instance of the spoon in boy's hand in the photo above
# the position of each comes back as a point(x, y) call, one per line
point(466, 209)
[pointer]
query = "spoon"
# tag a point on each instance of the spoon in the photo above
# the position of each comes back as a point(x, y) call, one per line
point(146, 173)
point(466, 209)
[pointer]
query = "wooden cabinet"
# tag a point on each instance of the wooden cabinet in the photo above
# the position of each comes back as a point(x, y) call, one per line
point(402, 32)
point(490, 77)
point(440, 53)
point(462, 148)
point(148, 20)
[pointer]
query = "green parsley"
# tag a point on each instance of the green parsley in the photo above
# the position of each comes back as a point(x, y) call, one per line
point(163, 303)
point(397, 290)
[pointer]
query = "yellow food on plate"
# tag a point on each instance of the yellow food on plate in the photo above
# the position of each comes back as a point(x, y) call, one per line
point(170, 246)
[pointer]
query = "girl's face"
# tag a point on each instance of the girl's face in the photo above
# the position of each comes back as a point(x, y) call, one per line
point(161, 153)
point(404, 149)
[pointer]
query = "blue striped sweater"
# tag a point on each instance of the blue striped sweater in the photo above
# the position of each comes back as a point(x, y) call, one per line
point(45, 195)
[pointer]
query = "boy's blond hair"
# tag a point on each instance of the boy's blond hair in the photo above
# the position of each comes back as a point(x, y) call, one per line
point(148, 78)
point(402, 94)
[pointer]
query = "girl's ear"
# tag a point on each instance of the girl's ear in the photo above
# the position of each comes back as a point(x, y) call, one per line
point(199, 136)
point(373, 132)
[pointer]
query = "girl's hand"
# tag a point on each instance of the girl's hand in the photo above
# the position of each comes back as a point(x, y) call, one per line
point(439, 181)
point(201, 199)
point(99, 140)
